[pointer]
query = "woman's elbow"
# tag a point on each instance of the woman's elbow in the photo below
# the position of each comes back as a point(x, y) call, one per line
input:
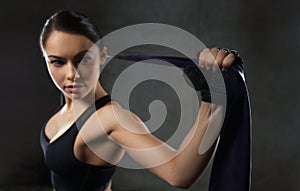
point(180, 183)
point(181, 186)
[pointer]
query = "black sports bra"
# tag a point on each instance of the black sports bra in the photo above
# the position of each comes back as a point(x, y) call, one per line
point(67, 172)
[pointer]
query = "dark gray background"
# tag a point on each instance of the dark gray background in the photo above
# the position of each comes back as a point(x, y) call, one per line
point(266, 33)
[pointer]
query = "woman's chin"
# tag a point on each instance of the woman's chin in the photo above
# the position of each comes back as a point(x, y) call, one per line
point(75, 96)
point(87, 96)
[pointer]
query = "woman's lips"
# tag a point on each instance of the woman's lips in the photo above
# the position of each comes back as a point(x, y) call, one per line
point(73, 88)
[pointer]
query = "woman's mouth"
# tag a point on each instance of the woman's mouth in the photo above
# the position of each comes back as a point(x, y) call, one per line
point(73, 88)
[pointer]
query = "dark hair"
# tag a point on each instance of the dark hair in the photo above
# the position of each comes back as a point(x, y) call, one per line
point(70, 22)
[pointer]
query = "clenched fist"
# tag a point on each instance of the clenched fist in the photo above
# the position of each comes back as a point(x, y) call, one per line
point(210, 60)
point(215, 57)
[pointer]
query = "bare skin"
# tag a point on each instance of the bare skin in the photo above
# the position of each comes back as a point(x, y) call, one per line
point(121, 130)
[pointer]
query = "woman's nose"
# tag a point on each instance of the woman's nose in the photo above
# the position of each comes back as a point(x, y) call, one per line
point(72, 73)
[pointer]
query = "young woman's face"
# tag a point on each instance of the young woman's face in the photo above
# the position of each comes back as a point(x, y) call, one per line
point(73, 63)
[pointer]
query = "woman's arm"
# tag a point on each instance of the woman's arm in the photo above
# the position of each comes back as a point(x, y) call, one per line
point(179, 167)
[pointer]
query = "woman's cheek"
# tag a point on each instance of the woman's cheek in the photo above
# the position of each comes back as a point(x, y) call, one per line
point(91, 75)
point(57, 78)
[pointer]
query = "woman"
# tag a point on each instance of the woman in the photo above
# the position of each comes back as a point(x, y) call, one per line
point(66, 40)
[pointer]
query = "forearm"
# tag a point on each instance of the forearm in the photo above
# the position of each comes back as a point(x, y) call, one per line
point(188, 164)
point(191, 161)
point(179, 167)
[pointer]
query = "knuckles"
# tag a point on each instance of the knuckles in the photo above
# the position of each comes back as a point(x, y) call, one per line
point(210, 57)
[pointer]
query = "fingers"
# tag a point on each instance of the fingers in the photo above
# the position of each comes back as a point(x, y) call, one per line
point(214, 58)
point(207, 58)
point(220, 57)
point(204, 57)
point(228, 61)
point(214, 52)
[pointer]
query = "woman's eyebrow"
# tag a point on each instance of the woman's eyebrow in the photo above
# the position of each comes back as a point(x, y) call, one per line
point(53, 56)
point(82, 53)
point(78, 55)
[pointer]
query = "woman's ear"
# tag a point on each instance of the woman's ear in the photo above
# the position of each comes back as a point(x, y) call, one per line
point(103, 54)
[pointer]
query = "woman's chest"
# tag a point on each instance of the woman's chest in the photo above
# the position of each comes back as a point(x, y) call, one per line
point(73, 142)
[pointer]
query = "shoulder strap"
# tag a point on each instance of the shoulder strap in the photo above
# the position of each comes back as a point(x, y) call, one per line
point(91, 109)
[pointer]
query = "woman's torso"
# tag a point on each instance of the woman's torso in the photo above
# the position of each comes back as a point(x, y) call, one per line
point(84, 158)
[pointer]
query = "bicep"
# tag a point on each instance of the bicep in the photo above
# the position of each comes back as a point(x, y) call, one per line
point(132, 134)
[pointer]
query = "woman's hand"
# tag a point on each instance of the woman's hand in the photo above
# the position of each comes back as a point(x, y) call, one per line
point(208, 80)
point(211, 58)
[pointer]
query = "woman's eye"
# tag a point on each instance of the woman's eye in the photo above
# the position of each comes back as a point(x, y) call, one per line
point(86, 59)
point(57, 62)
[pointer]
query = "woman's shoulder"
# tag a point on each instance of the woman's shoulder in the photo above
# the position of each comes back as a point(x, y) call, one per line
point(117, 115)
point(111, 111)
point(107, 112)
